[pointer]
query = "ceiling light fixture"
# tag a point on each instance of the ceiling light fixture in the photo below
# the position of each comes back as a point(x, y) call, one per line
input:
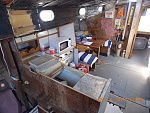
point(47, 15)
point(40, 3)
point(82, 11)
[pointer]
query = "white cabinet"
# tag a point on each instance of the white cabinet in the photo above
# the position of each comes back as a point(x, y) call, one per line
point(68, 31)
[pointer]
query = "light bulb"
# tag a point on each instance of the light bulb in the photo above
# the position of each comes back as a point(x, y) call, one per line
point(82, 11)
point(100, 9)
point(40, 3)
point(47, 15)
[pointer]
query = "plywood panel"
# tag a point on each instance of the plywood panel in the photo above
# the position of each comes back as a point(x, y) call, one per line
point(19, 12)
point(18, 21)
point(91, 85)
point(21, 22)
point(24, 30)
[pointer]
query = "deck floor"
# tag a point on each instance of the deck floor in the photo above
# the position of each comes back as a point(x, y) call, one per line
point(129, 78)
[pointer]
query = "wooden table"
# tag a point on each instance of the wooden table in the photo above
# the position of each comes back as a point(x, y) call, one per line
point(95, 46)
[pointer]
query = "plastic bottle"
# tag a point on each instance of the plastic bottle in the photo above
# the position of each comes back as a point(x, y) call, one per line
point(42, 49)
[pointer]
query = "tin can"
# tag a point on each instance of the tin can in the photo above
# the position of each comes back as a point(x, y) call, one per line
point(51, 51)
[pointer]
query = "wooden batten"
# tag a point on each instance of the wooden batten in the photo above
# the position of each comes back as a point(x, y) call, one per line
point(136, 29)
point(134, 26)
point(14, 70)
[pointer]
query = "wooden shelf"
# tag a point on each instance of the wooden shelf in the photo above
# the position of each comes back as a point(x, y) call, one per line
point(26, 41)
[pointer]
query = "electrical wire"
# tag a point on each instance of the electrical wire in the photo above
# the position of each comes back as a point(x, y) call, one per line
point(12, 86)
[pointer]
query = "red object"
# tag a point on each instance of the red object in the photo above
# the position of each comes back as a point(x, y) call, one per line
point(83, 68)
point(94, 37)
point(51, 51)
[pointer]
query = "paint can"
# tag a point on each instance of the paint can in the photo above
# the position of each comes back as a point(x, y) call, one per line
point(51, 50)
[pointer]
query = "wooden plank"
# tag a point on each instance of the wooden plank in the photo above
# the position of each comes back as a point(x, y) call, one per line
point(136, 29)
point(26, 61)
point(14, 72)
point(39, 37)
point(31, 51)
point(133, 28)
point(24, 30)
point(26, 41)
point(16, 55)
point(53, 73)
point(91, 85)
point(13, 1)
point(9, 58)
point(131, 9)
point(126, 21)
point(62, 97)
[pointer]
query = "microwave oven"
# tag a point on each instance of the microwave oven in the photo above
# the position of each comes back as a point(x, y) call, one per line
point(60, 44)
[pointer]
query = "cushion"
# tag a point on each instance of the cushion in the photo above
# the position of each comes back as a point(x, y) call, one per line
point(87, 58)
point(108, 43)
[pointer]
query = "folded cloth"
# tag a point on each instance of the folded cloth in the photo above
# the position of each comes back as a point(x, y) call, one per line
point(87, 58)
point(108, 43)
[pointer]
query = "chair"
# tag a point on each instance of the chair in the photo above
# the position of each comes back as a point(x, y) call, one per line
point(89, 59)
point(105, 50)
